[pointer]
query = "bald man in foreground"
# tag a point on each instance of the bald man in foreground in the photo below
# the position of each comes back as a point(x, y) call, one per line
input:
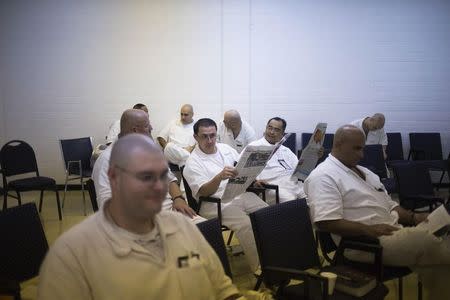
point(130, 249)
point(349, 200)
point(235, 132)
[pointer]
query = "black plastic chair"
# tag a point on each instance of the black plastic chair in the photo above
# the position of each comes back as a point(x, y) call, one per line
point(17, 158)
point(383, 273)
point(211, 230)
point(415, 188)
point(374, 160)
point(427, 148)
point(77, 162)
point(291, 142)
point(286, 247)
point(327, 142)
point(23, 247)
point(92, 194)
point(394, 148)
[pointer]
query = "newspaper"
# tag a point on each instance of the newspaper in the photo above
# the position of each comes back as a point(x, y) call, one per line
point(437, 220)
point(308, 159)
point(252, 162)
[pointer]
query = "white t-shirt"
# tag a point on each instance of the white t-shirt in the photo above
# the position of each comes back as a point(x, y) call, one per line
point(374, 136)
point(113, 132)
point(278, 171)
point(245, 136)
point(336, 192)
point(200, 168)
point(178, 133)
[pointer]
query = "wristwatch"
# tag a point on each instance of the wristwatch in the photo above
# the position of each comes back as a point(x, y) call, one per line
point(179, 196)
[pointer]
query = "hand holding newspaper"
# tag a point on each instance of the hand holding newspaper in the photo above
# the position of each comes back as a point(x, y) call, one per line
point(437, 220)
point(252, 162)
point(308, 159)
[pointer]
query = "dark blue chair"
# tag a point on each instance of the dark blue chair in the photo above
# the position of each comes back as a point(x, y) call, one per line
point(291, 142)
point(212, 231)
point(415, 189)
point(23, 247)
point(394, 149)
point(327, 142)
point(374, 160)
point(427, 148)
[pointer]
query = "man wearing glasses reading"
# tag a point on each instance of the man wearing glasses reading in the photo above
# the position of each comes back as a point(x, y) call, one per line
point(207, 171)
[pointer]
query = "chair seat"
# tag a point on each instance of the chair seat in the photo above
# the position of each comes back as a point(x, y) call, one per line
point(86, 173)
point(439, 165)
point(389, 272)
point(297, 292)
point(32, 183)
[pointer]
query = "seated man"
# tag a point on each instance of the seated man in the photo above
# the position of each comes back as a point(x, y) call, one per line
point(207, 171)
point(349, 200)
point(234, 132)
point(114, 129)
point(373, 128)
point(136, 121)
point(129, 249)
point(281, 166)
point(176, 138)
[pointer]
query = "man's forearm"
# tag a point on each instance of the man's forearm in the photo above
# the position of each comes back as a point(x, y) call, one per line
point(210, 187)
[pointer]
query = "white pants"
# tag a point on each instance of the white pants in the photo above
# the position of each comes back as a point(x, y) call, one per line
point(423, 252)
point(235, 216)
point(176, 154)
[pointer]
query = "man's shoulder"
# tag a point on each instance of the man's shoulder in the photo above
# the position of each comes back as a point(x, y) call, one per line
point(226, 149)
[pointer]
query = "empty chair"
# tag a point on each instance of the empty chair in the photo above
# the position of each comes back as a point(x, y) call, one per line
point(373, 159)
point(212, 232)
point(285, 242)
point(77, 162)
point(427, 147)
point(394, 149)
point(291, 142)
point(23, 247)
point(18, 158)
point(415, 189)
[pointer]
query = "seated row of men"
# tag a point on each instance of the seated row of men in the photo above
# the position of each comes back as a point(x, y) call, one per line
point(344, 199)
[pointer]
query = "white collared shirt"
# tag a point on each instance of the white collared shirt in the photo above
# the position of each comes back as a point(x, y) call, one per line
point(336, 192)
point(178, 133)
point(374, 136)
point(279, 170)
point(245, 136)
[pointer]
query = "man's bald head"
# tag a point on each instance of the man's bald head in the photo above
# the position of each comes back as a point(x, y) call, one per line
point(186, 114)
point(348, 145)
point(134, 121)
point(232, 119)
point(126, 146)
point(378, 120)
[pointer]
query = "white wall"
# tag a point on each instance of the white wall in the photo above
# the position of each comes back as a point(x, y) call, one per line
point(69, 69)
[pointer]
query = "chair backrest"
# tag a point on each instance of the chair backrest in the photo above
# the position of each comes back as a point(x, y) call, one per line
point(374, 160)
point(17, 157)
point(394, 149)
point(425, 145)
point(212, 231)
point(92, 194)
point(77, 150)
point(413, 178)
point(284, 236)
point(23, 243)
point(187, 189)
point(291, 142)
point(327, 142)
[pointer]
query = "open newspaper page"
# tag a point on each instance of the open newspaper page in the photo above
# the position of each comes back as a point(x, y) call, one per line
point(252, 162)
point(278, 145)
point(437, 220)
point(308, 159)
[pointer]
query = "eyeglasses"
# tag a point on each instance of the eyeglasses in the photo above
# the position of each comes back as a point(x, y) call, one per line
point(274, 129)
point(207, 136)
point(147, 177)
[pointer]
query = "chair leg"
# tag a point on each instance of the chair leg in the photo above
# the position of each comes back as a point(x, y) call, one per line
point(419, 290)
point(258, 282)
point(230, 237)
point(41, 198)
point(5, 199)
point(440, 180)
point(65, 189)
point(400, 288)
point(19, 199)
point(84, 197)
point(58, 203)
